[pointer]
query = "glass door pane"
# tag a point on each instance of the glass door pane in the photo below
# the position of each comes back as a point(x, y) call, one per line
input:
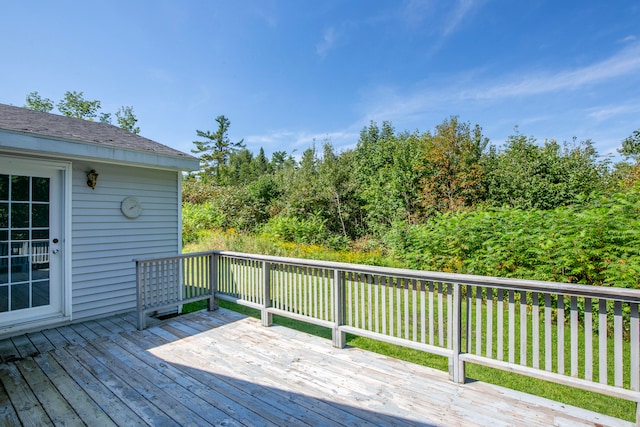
point(24, 242)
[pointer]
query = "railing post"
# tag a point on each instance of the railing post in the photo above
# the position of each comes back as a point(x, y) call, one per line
point(339, 337)
point(265, 316)
point(141, 314)
point(212, 302)
point(456, 368)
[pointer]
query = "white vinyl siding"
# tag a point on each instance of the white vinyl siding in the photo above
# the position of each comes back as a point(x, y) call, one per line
point(105, 242)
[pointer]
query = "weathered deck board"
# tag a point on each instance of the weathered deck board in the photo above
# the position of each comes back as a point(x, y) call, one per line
point(120, 413)
point(212, 368)
point(28, 409)
point(83, 405)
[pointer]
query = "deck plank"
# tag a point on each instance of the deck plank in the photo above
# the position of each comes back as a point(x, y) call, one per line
point(97, 328)
point(111, 404)
point(8, 416)
point(56, 338)
point(40, 342)
point(111, 325)
point(84, 331)
point(82, 403)
point(177, 401)
point(56, 406)
point(8, 351)
point(27, 407)
point(24, 346)
point(238, 404)
point(131, 396)
point(278, 367)
point(70, 335)
point(367, 377)
point(269, 402)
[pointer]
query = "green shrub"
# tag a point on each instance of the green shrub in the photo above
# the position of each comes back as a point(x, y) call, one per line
point(293, 229)
point(197, 218)
point(597, 243)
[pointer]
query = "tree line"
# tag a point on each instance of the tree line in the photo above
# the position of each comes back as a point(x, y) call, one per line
point(395, 178)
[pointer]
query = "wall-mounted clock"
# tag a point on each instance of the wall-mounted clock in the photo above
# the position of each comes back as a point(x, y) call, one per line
point(131, 207)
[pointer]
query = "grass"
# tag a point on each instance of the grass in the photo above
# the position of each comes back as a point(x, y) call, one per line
point(614, 407)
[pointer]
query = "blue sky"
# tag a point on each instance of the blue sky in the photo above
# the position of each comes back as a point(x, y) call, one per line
point(288, 72)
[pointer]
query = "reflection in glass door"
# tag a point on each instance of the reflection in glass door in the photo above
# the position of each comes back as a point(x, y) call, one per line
point(24, 242)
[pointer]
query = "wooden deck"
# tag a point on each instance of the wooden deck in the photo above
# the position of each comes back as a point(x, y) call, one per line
point(221, 368)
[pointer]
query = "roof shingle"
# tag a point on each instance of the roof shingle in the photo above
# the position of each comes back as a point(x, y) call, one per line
point(22, 120)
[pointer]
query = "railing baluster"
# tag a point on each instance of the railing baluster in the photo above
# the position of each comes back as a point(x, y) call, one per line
point(390, 286)
point(363, 302)
point(349, 285)
point(441, 316)
point(326, 295)
point(383, 290)
point(511, 326)
point(588, 340)
point(548, 333)
point(431, 313)
point(398, 287)
point(478, 320)
point(634, 332)
point(376, 297)
point(602, 341)
point(560, 369)
point(489, 350)
point(416, 315)
point(369, 303)
point(450, 325)
point(405, 312)
point(468, 331)
point(523, 328)
point(535, 330)
point(617, 343)
point(574, 336)
point(500, 331)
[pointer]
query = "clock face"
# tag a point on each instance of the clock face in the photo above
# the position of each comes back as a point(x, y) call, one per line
point(131, 207)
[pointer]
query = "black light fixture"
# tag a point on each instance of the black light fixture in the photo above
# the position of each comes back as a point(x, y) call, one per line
point(92, 178)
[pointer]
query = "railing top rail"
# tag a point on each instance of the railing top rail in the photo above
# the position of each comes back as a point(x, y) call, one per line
point(176, 256)
point(622, 294)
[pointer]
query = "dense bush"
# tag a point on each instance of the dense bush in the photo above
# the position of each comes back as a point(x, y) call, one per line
point(293, 229)
point(595, 243)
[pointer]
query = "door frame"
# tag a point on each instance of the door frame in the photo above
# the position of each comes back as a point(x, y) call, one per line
point(14, 165)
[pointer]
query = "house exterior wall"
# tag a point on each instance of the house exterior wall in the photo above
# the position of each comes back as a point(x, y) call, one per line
point(105, 242)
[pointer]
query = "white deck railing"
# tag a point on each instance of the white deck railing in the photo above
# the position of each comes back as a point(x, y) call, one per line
point(578, 335)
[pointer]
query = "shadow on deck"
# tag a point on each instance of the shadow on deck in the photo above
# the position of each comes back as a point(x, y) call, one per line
point(222, 368)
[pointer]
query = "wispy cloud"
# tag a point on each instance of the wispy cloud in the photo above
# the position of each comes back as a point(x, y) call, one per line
point(461, 11)
point(625, 62)
point(447, 22)
point(301, 140)
point(607, 112)
point(389, 103)
point(414, 12)
point(329, 39)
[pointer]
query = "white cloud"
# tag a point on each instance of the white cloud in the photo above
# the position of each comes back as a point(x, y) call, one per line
point(389, 103)
point(625, 62)
point(605, 113)
point(462, 10)
point(329, 39)
point(301, 140)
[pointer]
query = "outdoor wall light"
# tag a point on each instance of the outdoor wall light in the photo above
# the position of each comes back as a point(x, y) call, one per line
point(92, 178)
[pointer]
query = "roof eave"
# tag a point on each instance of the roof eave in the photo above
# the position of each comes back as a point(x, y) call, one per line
point(69, 149)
